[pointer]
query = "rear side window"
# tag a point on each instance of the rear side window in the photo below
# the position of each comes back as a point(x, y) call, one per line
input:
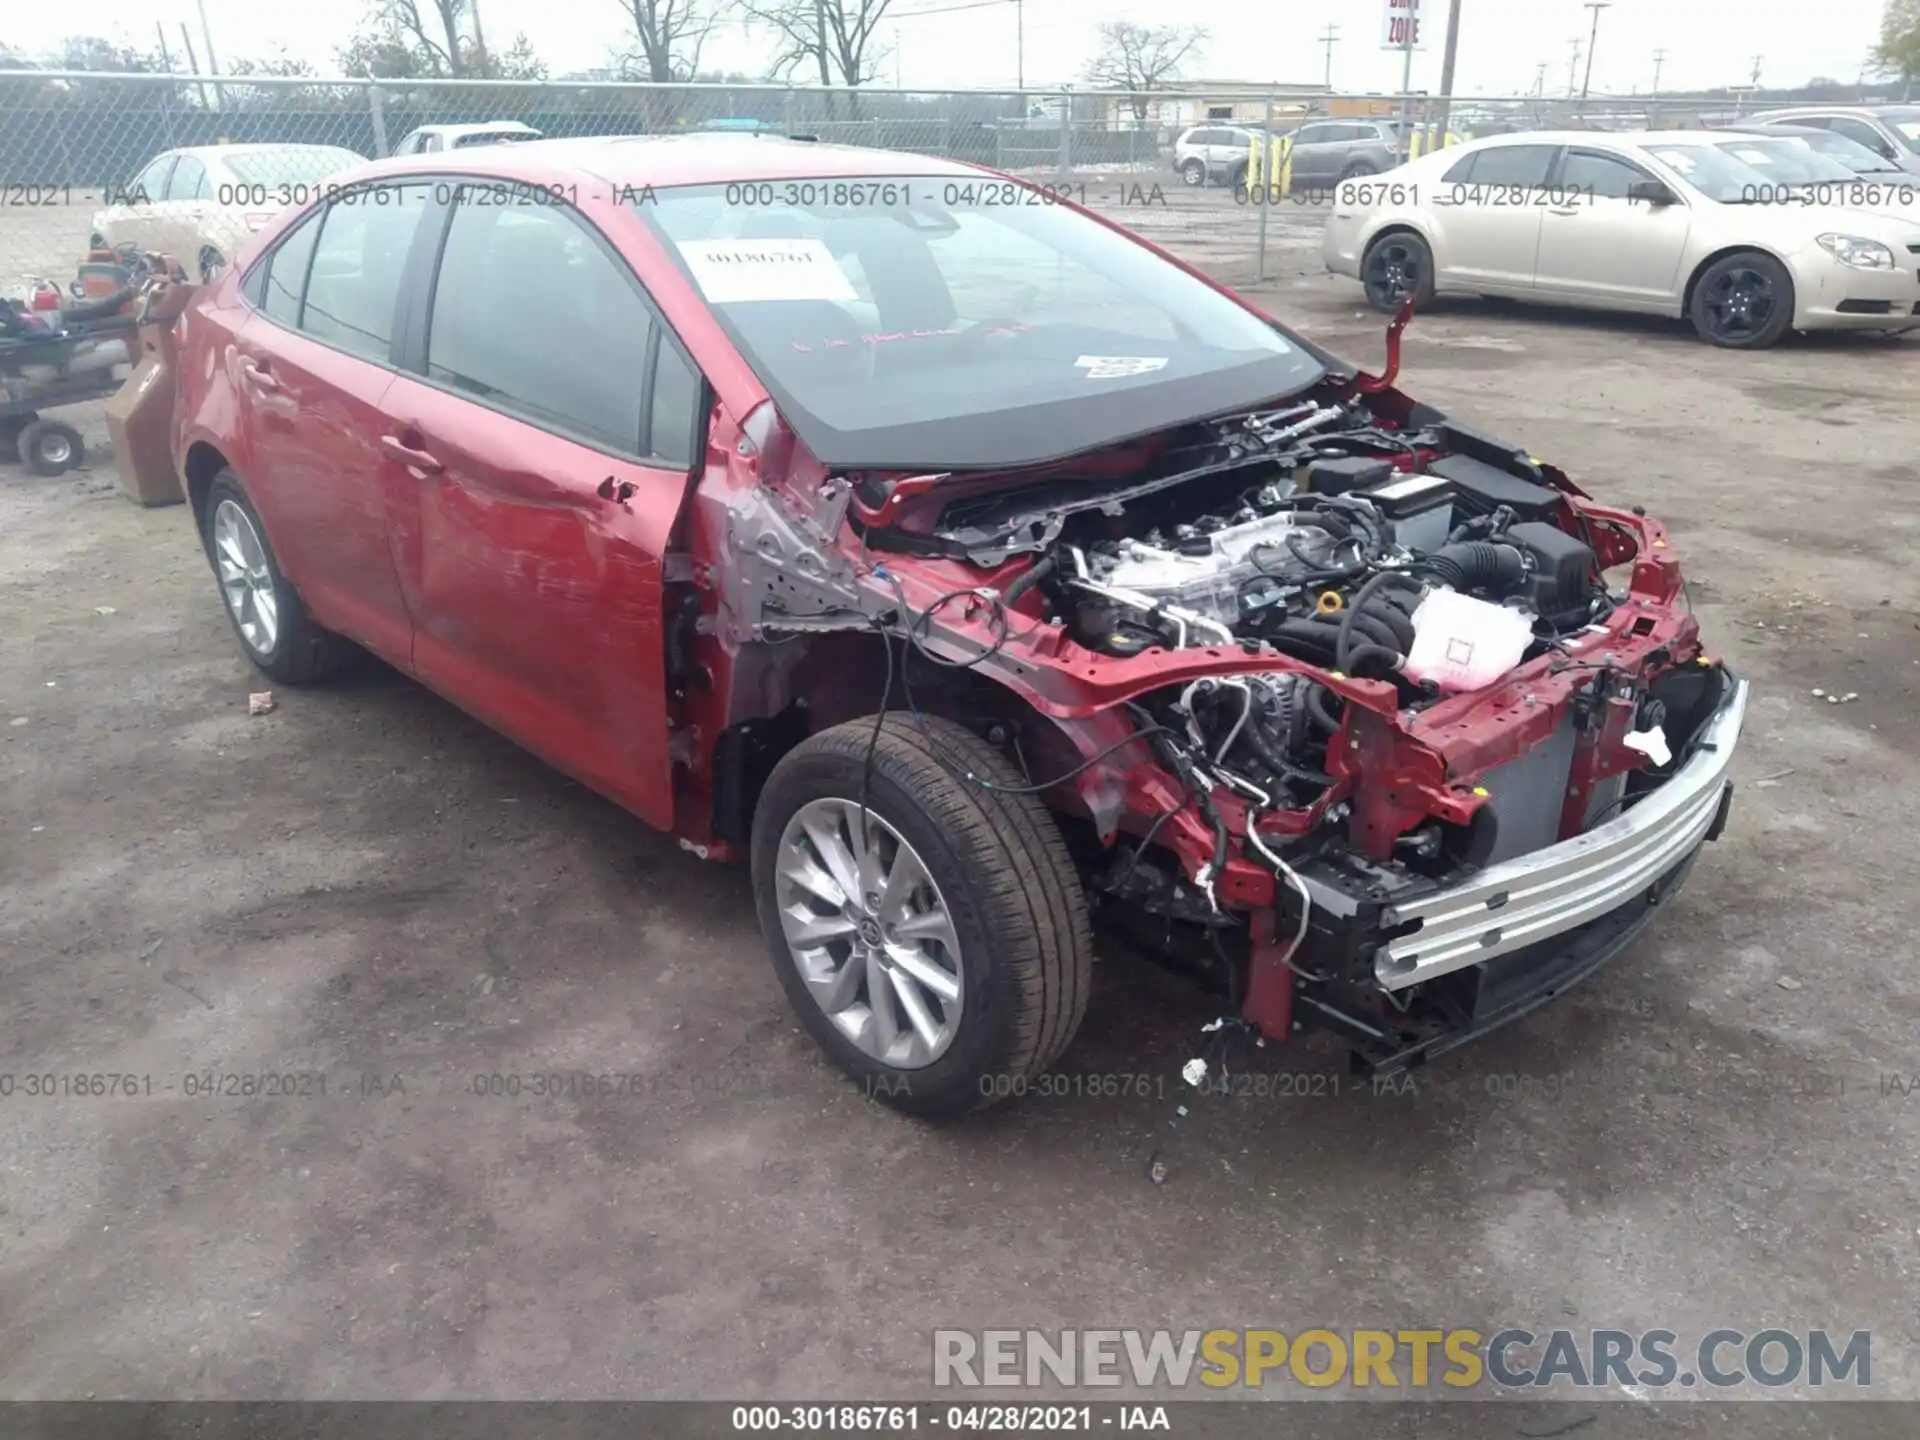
point(1510, 165)
point(531, 315)
point(353, 285)
point(286, 277)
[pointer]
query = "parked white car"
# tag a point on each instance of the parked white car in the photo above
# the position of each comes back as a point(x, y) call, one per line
point(1216, 151)
point(202, 203)
point(429, 139)
point(1663, 223)
point(1799, 174)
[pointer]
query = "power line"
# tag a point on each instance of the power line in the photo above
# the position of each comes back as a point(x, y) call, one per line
point(950, 9)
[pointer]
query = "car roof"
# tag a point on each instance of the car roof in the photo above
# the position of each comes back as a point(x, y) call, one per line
point(640, 161)
point(1884, 112)
point(473, 127)
point(218, 151)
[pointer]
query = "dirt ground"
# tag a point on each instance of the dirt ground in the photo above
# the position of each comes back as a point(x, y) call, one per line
point(368, 887)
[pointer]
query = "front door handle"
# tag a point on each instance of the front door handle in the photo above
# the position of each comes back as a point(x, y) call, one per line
point(258, 377)
point(394, 448)
point(1568, 210)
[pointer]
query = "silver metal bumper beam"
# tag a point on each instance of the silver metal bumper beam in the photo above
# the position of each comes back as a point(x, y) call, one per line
point(1523, 901)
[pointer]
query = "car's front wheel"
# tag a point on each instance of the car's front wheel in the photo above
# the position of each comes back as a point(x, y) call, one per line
point(1398, 265)
point(266, 612)
point(1744, 301)
point(934, 938)
point(1194, 172)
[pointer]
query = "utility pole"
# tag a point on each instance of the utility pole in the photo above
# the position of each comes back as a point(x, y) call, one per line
point(1328, 38)
point(1573, 65)
point(1447, 58)
point(1593, 42)
point(1020, 47)
point(1540, 80)
point(1659, 59)
point(213, 61)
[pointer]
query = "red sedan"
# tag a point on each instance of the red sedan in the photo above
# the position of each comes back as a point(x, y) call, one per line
point(972, 569)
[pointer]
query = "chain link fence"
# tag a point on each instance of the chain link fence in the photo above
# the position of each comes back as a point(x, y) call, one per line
point(69, 140)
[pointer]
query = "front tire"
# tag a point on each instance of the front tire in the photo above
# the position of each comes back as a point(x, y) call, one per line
point(1194, 172)
point(266, 613)
point(955, 905)
point(1743, 301)
point(1397, 265)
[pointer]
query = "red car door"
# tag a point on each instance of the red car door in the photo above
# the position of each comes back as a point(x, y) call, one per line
point(535, 466)
point(315, 365)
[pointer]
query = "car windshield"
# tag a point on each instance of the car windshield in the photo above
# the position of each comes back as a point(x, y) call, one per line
point(1716, 174)
point(1785, 160)
point(293, 165)
point(1907, 126)
point(962, 322)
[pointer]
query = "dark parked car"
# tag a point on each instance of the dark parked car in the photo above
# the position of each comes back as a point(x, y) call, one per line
point(975, 572)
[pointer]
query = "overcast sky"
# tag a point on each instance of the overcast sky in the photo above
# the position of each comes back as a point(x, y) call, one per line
point(1707, 42)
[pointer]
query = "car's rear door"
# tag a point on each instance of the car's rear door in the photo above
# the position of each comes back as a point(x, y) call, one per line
point(1487, 212)
point(537, 459)
point(314, 365)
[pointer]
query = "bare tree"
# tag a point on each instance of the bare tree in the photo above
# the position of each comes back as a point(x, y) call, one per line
point(1142, 58)
point(668, 36)
point(837, 36)
point(423, 39)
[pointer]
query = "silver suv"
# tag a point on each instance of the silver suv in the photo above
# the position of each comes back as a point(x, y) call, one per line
point(1890, 131)
point(1218, 151)
point(1328, 150)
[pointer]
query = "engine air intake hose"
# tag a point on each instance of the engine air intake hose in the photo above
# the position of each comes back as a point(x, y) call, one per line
point(1477, 565)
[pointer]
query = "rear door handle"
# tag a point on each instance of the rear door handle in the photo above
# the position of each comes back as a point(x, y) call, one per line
point(394, 448)
point(258, 377)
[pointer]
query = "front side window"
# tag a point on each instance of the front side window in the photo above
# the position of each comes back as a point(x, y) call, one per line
point(1602, 176)
point(577, 362)
point(1858, 159)
point(353, 286)
point(946, 320)
point(1861, 133)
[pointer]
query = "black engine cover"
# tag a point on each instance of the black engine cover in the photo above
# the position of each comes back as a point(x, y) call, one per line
point(1563, 569)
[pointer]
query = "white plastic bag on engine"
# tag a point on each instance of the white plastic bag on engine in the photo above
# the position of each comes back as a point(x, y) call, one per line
point(1461, 643)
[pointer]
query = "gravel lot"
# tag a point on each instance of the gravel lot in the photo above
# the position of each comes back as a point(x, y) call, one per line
point(367, 885)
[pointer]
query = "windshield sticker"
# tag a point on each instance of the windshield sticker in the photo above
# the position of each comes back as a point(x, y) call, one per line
point(1120, 367)
point(1910, 129)
point(731, 271)
point(1680, 162)
point(1753, 157)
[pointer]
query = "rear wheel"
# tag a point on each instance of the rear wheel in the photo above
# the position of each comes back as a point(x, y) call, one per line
point(936, 945)
point(1396, 266)
point(50, 447)
point(1744, 301)
point(266, 612)
point(1357, 169)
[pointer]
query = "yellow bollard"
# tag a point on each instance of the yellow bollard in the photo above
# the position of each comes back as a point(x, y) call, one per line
point(1274, 158)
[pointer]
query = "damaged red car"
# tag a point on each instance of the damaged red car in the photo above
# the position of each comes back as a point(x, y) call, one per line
point(977, 573)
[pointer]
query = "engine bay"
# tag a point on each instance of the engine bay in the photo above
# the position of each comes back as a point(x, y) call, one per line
point(1432, 558)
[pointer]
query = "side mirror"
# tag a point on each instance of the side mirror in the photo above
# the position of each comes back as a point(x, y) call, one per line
point(1652, 192)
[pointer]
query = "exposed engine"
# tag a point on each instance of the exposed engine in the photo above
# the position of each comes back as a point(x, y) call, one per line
point(1426, 566)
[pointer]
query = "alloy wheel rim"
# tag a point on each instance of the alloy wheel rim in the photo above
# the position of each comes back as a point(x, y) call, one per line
point(56, 449)
point(869, 932)
point(245, 577)
point(1393, 272)
point(1740, 302)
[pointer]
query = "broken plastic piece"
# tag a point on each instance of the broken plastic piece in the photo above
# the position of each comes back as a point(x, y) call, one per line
point(1194, 1071)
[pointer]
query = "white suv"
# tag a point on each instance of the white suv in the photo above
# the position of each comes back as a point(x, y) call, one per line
point(1216, 151)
